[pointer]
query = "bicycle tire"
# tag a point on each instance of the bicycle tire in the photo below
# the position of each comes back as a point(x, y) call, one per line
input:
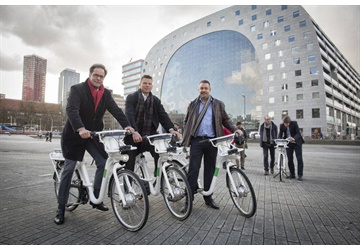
point(74, 192)
point(132, 216)
point(246, 201)
point(180, 206)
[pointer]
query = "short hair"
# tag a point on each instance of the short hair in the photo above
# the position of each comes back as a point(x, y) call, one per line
point(238, 123)
point(204, 81)
point(145, 76)
point(97, 65)
point(286, 119)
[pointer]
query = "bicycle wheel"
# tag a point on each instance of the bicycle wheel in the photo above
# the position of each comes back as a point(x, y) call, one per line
point(74, 192)
point(282, 167)
point(180, 205)
point(245, 201)
point(134, 214)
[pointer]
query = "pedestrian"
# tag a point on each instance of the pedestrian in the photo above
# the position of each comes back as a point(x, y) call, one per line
point(241, 162)
point(50, 136)
point(85, 109)
point(268, 133)
point(204, 120)
point(145, 112)
point(47, 136)
point(290, 130)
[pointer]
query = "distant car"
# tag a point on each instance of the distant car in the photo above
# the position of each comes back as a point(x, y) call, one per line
point(254, 135)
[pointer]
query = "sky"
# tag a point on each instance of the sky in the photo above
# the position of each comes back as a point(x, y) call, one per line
point(77, 36)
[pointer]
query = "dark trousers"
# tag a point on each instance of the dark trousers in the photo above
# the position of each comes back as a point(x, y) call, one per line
point(266, 148)
point(290, 155)
point(69, 168)
point(197, 152)
point(143, 146)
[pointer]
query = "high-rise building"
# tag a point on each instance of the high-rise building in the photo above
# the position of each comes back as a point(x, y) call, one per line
point(131, 76)
point(260, 60)
point(68, 78)
point(34, 78)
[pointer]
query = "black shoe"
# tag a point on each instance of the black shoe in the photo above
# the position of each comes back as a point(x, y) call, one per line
point(211, 203)
point(300, 178)
point(272, 170)
point(290, 177)
point(100, 206)
point(242, 167)
point(266, 172)
point(60, 217)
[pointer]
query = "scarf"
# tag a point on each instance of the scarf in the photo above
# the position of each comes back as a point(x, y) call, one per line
point(194, 120)
point(144, 113)
point(265, 139)
point(96, 93)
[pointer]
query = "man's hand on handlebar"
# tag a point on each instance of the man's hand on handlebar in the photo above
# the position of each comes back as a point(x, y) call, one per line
point(84, 133)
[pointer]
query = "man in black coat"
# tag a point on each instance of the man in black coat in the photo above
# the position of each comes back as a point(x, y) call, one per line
point(85, 109)
point(290, 130)
point(145, 113)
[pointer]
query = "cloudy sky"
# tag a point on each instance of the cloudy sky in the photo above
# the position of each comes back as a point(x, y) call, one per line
point(76, 36)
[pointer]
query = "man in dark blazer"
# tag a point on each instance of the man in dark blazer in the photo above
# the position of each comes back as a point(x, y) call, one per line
point(145, 113)
point(204, 119)
point(85, 109)
point(290, 130)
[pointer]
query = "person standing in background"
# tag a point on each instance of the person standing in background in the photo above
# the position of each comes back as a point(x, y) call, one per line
point(268, 133)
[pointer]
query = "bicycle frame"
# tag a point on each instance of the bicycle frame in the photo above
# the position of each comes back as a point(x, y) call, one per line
point(281, 145)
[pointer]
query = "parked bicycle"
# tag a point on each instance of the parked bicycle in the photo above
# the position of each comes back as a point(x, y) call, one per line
point(170, 180)
point(240, 188)
point(281, 145)
point(127, 193)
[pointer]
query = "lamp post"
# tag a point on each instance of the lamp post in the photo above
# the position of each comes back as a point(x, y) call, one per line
point(244, 107)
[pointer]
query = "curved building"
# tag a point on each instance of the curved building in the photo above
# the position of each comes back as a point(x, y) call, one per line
point(259, 60)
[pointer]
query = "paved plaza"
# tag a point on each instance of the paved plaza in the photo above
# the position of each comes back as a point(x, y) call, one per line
point(322, 209)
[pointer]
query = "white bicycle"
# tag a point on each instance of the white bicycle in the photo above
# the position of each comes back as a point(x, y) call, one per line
point(170, 179)
point(127, 193)
point(281, 145)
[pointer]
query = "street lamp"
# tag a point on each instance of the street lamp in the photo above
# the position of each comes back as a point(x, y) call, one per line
point(244, 107)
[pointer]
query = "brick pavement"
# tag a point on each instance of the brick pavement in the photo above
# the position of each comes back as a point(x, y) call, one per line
point(323, 209)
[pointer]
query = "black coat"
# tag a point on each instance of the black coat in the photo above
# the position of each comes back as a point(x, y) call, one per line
point(159, 114)
point(80, 112)
point(294, 132)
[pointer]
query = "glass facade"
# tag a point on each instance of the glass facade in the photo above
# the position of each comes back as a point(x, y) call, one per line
point(227, 60)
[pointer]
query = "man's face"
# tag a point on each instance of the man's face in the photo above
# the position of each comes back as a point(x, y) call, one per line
point(267, 120)
point(146, 86)
point(97, 77)
point(239, 126)
point(286, 124)
point(204, 91)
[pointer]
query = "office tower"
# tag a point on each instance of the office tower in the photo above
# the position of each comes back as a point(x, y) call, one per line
point(131, 76)
point(68, 78)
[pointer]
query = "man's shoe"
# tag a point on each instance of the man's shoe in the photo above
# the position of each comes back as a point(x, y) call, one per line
point(242, 168)
point(266, 172)
point(100, 206)
point(211, 203)
point(60, 217)
point(300, 178)
point(272, 170)
point(290, 177)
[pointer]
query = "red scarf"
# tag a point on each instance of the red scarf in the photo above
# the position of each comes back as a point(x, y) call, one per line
point(96, 93)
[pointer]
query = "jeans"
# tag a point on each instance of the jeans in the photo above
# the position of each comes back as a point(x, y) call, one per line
point(266, 148)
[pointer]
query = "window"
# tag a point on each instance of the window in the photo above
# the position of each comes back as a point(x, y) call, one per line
point(267, 56)
point(260, 36)
point(313, 71)
point(291, 39)
point(271, 89)
point(284, 86)
point(283, 7)
point(311, 58)
point(283, 75)
point(268, 12)
point(241, 22)
point(253, 28)
point(316, 113)
point(315, 95)
point(307, 35)
point(299, 85)
point(299, 114)
point(271, 100)
point(285, 98)
point(222, 19)
point(266, 24)
point(280, 19)
point(269, 67)
point(310, 46)
point(298, 72)
point(287, 28)
point(280, 53)
point(237, 13)
point(271, 78)
point(253, 7)
point(253, 17)
point(273, 33)
point(302, 23)
point(296, 61)
point(174, 37)
point(299, 97)
point(282, 64)
point(314, 82)
point(295, 50)
point(296, 14)
point(265, 46)
point(209, 24)
point(277, 42)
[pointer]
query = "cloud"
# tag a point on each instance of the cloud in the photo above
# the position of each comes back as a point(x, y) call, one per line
point(10, 62)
